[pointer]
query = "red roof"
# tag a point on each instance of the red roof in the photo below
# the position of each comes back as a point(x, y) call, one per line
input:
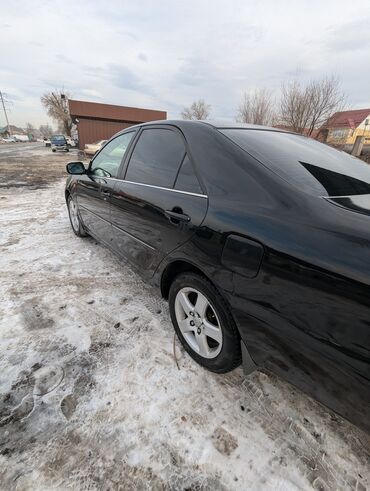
point(348, 119)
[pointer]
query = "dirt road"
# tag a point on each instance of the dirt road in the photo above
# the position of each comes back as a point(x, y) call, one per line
point(90, 395)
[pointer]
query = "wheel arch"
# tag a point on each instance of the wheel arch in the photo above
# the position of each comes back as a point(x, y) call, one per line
point(179, 266)
point(173, 269)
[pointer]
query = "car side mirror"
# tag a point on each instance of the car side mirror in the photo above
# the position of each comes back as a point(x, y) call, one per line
point(75, 168)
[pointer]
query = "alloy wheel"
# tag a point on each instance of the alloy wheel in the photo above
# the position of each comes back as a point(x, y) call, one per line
point(198, 322)
point(73, 213)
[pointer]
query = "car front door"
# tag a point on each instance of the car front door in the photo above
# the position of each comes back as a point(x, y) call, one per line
point(160, 203)
point(95, 188)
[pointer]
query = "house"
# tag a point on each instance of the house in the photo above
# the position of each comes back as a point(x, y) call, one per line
point(345, 127)
point(97, 121)
point(4, 132)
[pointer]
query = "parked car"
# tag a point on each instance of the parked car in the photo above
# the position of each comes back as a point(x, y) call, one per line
point(59, 142)
point(47, 142)
point(9, 139)
point(71, 143)
point(258, 238)
point(21, 138)
point(92, 148)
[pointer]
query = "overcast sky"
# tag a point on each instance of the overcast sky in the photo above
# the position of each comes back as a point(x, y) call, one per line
point(163, 54)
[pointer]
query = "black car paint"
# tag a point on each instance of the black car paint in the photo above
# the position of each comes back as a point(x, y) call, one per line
point(294, 268)
point(134, 210)
point(93, 200)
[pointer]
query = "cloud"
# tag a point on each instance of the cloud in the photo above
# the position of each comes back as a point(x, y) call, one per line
point(351, 36)
point(142, 57)
point(124, 78)
point(163, 55)
point(91, 93)
point(195, 71)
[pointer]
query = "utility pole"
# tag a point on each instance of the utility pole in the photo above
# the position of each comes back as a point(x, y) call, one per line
point(6, 116)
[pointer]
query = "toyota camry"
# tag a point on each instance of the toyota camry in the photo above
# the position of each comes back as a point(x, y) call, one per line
point(258, 238)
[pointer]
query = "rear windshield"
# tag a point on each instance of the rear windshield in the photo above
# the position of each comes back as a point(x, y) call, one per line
point(313, 166)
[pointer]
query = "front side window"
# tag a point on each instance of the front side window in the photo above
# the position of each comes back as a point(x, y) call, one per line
point(186, 179)
point(156, 158)
point(108, 161)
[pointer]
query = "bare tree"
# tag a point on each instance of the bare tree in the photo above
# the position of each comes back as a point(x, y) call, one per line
point(29, 128)
point(198, 110)
point(46, 130)
point(305, 108)
point(56, 105)
point(256, 107)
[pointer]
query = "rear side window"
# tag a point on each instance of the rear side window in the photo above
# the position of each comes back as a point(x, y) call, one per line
point(186, 179)
point(313, 166)
point(156, 158)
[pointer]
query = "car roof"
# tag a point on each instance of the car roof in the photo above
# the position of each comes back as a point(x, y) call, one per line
point(218, 124)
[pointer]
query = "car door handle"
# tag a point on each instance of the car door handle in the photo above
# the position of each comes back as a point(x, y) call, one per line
point(176, 216)
point(106, 193)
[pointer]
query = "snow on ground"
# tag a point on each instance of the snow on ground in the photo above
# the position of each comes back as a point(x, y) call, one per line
point(91, 397)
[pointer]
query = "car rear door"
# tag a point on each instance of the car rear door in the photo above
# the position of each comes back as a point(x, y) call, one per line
point(160, 202)
point(95, 188)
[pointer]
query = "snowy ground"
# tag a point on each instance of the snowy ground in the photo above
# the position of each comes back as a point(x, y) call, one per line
point(90, 394)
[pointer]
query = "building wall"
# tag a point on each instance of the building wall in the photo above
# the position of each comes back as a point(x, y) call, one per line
point(338, 136)
point(92, 130)
point(96, 110)
point(360, 131)
point(347, 136)
point(97, 121)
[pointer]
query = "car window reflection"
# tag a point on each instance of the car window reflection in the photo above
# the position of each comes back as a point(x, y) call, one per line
point(335, 183)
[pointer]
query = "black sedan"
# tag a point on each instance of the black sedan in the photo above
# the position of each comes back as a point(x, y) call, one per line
point(259, 239)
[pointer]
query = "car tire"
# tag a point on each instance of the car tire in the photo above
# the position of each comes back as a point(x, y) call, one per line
point(53, 150)
point(203, 323)
point(67, 149)
point(74, 218)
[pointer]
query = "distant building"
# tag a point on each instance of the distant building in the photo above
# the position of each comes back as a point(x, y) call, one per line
point(344, 127)
point(96, 121)
point(4, 132)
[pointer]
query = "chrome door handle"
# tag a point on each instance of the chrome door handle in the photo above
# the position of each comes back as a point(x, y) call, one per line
point(174, 216)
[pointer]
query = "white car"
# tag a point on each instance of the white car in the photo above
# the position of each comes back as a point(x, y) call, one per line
point(70, 141)
point(92, 148)
point(10, 139)
point(21, 138)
